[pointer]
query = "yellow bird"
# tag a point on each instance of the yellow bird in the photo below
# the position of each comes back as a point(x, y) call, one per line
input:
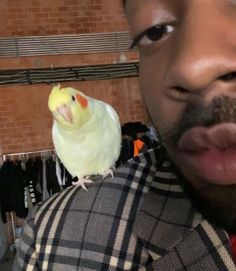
point(86, 133)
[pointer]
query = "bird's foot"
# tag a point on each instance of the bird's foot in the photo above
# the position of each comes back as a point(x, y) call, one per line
point(82, 181)
point(107, 172)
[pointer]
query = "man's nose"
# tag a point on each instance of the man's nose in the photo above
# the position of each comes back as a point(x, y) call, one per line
point(205, 56)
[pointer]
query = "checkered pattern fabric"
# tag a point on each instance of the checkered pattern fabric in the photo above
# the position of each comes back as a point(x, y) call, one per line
point(139, 220)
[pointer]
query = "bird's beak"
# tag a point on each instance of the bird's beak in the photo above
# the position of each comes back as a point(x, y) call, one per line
point(65, 112)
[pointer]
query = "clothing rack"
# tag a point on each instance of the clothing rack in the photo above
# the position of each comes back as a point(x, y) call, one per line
point(21, 154)
point(13, 225)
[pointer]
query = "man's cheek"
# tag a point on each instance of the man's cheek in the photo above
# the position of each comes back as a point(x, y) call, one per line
point(164, 113)
point(155, 110)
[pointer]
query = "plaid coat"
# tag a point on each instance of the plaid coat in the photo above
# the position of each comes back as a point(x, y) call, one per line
point(139, 220)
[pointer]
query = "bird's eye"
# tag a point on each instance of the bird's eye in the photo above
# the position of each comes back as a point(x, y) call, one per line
point(73, 98)
point(151, 35)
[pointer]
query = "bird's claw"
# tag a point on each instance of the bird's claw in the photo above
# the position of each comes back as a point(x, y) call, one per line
point(82, 181)
point(107, 172)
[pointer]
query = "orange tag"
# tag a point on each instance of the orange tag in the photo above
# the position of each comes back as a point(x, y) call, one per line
point(82, 100)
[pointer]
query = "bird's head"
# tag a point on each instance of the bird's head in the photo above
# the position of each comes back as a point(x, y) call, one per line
point(70, 107)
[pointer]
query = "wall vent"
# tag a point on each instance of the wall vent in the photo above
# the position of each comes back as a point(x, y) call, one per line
point(65, 44)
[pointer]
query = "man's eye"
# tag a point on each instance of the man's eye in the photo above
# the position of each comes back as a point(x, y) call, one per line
point(151, 35)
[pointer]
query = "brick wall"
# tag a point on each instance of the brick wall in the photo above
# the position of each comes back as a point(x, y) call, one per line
point(25, 122)
point(44, 17)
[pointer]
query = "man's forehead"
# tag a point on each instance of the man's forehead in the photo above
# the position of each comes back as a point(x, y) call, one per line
point(144, 2)
point(175, 1)
point(176, 6)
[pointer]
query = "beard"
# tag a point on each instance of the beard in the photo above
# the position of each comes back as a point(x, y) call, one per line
point(217, 203)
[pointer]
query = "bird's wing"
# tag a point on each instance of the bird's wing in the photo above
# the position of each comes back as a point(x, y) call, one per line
point(112, 113)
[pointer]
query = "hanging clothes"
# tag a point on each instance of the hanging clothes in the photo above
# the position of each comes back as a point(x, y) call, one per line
point(133, 128)
point(68, 178)
point(45, 190)
point(52, 180)
point(137, 138)
point(126, 152)
point(31, 181)
point(3, 238)
point(12, 189)
point(138, 146)
point(60, 172)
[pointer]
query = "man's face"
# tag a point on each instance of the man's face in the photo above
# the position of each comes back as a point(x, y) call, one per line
point(188, 81)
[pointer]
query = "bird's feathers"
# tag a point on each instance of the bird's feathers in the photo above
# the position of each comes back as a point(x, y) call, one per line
point(90, 143)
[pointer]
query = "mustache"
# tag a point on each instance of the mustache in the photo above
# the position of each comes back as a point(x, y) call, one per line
point(221, 109)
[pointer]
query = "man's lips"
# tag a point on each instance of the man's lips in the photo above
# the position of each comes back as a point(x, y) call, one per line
point(211, 152)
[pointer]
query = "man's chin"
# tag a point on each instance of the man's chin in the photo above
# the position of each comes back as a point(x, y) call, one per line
point(216, 202)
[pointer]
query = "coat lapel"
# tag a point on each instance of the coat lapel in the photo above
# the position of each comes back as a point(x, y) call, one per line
point(203, 248)
point(174, 233)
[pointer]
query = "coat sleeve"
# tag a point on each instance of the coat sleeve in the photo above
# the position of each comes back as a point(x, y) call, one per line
point(26, 255)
